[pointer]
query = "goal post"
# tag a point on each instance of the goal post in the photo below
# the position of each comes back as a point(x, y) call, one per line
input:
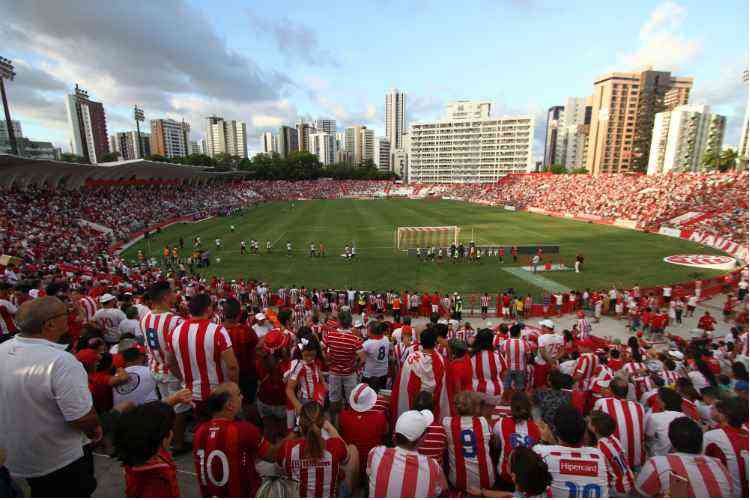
point(406, 237)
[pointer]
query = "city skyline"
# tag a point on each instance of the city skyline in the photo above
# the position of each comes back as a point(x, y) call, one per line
point(267, 70)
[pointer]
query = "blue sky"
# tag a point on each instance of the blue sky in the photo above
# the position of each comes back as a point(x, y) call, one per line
point(268, 63)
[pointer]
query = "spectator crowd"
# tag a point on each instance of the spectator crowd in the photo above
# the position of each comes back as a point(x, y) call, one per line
point(336, 393)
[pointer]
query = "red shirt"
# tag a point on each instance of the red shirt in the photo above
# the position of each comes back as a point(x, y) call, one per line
point(365, 430)
point(458, 375)
point(101, 391)
point(155, 478)
point(244, 341)
point(224, 452)
point(317, 477)
point(342, 347)
point(271, 385)
point(615, 364)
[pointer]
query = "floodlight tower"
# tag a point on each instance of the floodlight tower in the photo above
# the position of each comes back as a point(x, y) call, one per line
point(7, 73)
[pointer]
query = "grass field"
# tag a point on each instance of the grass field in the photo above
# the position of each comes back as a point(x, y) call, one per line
point(613, 256)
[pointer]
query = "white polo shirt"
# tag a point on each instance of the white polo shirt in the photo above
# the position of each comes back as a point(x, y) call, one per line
point(42, 387)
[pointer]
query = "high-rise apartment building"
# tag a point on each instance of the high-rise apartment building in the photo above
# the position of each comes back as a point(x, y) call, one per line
point(169, 138)
point(128, 147)
point(682, 137)
point(303, 135)
point(323, 145)
point(353, 143)
point(742, 150)
point(326, 125)
point(624, 106)
point(574, 131)
point(554, 153)
point(194, 148)
point(395, 117)
point(287, 141)
point(464, 110)
point(382, 154)
point(270, 144)
point(17, 132)
point(88, 126)
point(225, 137)
point(470, 149)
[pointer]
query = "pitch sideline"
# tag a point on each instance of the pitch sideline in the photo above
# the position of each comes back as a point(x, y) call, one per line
point(536, 280)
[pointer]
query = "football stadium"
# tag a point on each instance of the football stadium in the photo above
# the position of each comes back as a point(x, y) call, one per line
point(231, 269)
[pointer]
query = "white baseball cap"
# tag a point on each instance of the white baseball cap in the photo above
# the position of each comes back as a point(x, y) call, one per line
point(107, 297)
point(34, 293)
point(548, 323)
point(362, 398)
point(412, 424)
point(260, 317)
point(676, 354)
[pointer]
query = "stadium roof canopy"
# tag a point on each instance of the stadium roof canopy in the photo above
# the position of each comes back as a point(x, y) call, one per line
point(23, 172)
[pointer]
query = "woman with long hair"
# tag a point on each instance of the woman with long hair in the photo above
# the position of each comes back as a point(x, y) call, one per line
point(316, 458)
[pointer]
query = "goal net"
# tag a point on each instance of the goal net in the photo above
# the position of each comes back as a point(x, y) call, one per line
point(426, 236)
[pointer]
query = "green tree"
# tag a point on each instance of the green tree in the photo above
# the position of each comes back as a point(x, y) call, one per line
point(722, 161)
point(157, 158)
point(107, 157)
point(71, 158)
point(556, 169)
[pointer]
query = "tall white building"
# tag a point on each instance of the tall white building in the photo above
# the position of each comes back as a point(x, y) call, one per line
point(303, 135)
point(270, 145)
point(475, 148)
point(382, 153)
point(742, 150)
point(682, 137)
point(323, 145)
point(128, 147)
point(88, 126)
point(194, 148)
point(574, 132)
point(553, 142)
point(359, 144)
point(463, 110)
point(326, 125)
point(395, 117)
point(228, 137)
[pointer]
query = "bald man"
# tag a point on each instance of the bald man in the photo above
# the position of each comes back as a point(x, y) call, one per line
point(52, 416)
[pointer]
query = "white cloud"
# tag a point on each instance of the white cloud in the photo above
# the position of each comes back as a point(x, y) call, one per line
point(661, 44)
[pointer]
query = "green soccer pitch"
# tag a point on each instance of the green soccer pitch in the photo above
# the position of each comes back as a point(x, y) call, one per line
point(613, 256)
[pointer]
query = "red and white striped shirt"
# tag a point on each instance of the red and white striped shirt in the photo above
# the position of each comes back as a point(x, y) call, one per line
point(89, 308)
point(342, 347)
point(584, 328)
point(622, 480)
point(422, 371)
point(706, 476)
point(669, 376)
point(396, 472)
point(469, 461)
point(516, 352)
point(586, 368)
point(576, 472)
point(730, 445)
point(434, 442)
point(630, 418)
point(487, 369)
point(7, 312)
point(484, 301)
point(198, 345)
point(317, 477)
point(510, 434)
point(310, 385)
point(633, 368)
point(157, 329)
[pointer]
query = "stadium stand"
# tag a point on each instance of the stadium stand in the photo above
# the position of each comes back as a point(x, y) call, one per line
point(440, 410)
